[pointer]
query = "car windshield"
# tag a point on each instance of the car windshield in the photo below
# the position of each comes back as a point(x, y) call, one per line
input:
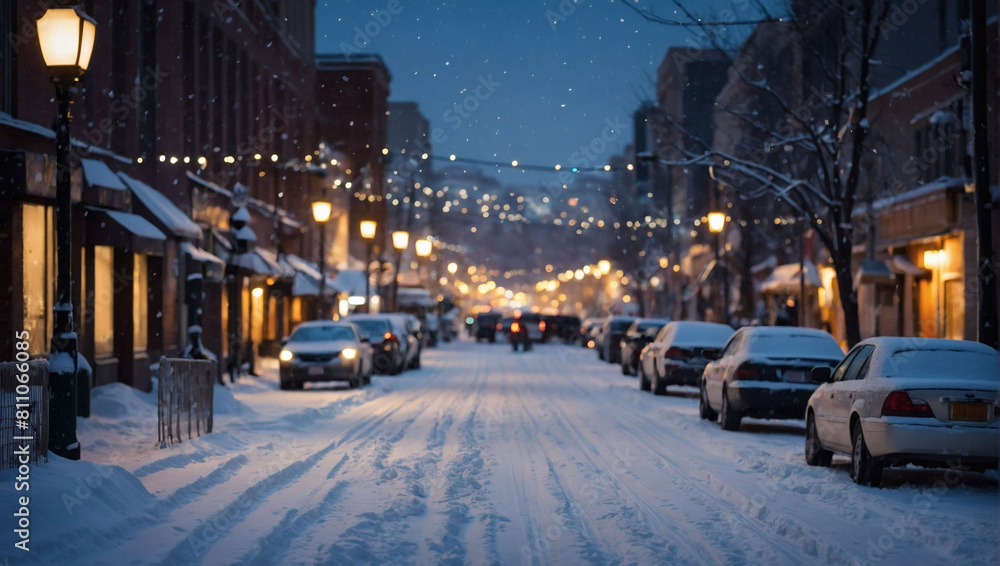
point(621, 325)
point(372, 328)
point(795, 345)
point(705, 335)
point(649, 328)
point(965, 364)
point(321, 334)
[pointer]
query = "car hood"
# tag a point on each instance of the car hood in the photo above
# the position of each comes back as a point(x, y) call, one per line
point(324, 347)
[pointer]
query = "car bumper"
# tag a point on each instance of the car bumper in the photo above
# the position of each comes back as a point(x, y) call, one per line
point(337, 370)
point(931, 442)
point(682, 375)
point(770, 400)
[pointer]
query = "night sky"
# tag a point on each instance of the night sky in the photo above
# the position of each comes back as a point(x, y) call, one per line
point(517, 79)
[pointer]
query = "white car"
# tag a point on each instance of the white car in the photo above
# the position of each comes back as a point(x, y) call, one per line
point(894, 401)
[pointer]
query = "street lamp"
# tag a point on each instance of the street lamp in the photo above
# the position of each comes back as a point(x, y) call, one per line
point(604, 266)
point(423, 247)
point(400, 239)
point(716, 222)
point(368, 233)
point(453, 268)
point(321, 214)
point(66, 36)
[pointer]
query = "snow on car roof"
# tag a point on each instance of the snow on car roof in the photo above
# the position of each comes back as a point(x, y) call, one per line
point(932, 357)
point(699, 333)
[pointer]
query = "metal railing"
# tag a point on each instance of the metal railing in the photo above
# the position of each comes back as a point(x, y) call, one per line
point(24, 412)
point(185, 393)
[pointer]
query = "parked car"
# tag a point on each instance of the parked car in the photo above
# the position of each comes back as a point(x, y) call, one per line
point(635, 339)
point(485, 326)
point(325, 351)
point(609, 340)
point(525, 330)
point(764, 372)
point(896, 401)
point(589, 329)
point(674, 357)
point(410, 331)
point(389, 345)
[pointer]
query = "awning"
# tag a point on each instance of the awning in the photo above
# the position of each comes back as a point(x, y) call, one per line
point(414, 297)
point(351, 282)
point(785, 279)
point(873, 271)
point(162, 209)
point(97, 174)
point(214, 267)
point(259, 263)
point(901, 265)
point(122, 230)
point(305, 286)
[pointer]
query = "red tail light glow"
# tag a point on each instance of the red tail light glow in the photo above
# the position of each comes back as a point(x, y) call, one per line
point(674, 353)
point(899, 404)
point(541, 325)
point(749, 371)
point(388, 336)
point(515, 327)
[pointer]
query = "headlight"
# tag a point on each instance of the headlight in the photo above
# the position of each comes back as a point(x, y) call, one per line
point(349, 353)
point(285, 356)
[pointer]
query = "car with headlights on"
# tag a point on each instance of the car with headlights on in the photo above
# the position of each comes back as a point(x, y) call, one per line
point(895, 401)
point(674, 357)
point(388, 344)
point(635, 339)
point(325, 351)
point(764, 372)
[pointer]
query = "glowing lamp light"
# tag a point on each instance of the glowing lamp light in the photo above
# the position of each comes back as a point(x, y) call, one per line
point(321, 211)
point(400, 239)
point(716, 221)
point(368, 229)
point(258, 292)
point(66, 36)
point(934, 259)
point(349, 353)
point(453, 268)
point(285, 356)
point(423, 247)
point(604, 266)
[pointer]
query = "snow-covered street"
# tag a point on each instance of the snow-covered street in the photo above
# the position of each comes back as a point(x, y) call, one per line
point(483, 456)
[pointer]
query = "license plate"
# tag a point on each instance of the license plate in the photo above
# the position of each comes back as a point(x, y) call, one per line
point(795, 376)
point(974, 412)
point(316, 370)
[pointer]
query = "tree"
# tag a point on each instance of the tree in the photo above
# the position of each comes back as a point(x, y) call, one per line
point(813, 125)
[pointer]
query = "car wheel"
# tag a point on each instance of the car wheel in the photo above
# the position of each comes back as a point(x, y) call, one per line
point(285, 385)
point(705, 410)
point(730, 417)
point(600, 354)
point(815, 454)
point(865, 469)
point(659, 386)
point(493, 339)
point(644, 384)
point(625, 370)
point(353, 383)
point(415, 364)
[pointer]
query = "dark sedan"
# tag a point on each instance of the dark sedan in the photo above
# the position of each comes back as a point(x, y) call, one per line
point(636, 337)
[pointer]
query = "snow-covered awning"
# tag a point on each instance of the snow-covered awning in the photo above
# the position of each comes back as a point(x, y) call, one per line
point(97, 174)
point(785, 279)
point(414, 297)
point(261, 262)
point(901, 265)
point(123, 230)
point(351, 282)
point(873, 271)
point(171, 217)
point(214, 267)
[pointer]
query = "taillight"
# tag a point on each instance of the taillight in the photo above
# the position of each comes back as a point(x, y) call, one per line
point(389, 336)
point(899, 404)
point(541, 325)
point(499, 326)
point(515, 327)
point(674, 353)
point(749, 371)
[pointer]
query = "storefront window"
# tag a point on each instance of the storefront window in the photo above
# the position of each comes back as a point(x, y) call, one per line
point(140, 302)
point(38, 274)
point(104, 301)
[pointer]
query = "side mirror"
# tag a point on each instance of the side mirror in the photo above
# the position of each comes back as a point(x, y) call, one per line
point(710, 354)
point(366, 339)
point(284, 340)
point(821, 374)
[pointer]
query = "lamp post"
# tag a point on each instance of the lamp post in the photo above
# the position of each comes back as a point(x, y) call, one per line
point(239, 223)
point(716, 222)
point(400, 239)
point(66, 36)
point(368, 233)
point(321, 213)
